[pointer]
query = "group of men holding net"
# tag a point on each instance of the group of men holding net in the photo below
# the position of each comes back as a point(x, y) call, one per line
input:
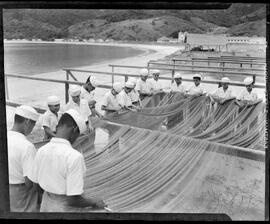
point(52, 178)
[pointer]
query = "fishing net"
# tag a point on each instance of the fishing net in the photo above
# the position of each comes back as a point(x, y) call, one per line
point(186, 168)
point(142, 170)
point(198, 118)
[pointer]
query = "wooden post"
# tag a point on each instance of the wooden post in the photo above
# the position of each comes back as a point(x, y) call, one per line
point(126, 78)
point(67, 86)
point(6, 88)
point(173, 72)
point(112, 75)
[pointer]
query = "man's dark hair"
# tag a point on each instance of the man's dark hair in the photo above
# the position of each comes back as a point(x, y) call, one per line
point(198, 78)
point(66, 119)
point(19, 119)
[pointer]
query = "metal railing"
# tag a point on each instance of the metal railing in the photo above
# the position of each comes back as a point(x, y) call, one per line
point(69, 74)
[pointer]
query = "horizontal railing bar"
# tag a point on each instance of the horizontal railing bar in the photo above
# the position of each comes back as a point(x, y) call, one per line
point(217, 61)
point(52, 80)
point(190, 70)
point(14, 104)
point(236, 59)
point(210, 67)
point(164, 78)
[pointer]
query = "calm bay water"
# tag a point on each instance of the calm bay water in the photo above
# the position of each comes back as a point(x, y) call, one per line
point(33, 58)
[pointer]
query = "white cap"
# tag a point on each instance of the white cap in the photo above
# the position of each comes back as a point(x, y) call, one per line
point(129, 84)
point(78, 120)
point(156, 71)
point(94, 81)
point(27, 112)
point(177, 76)
point(197, 76)
point(117, 86)
point(248, 81)
point(53, 100)
point(144, 72)
point(133, 80)
point(74, 90)
point(225, 80)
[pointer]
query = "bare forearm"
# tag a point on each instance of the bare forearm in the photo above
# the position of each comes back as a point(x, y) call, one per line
point(80, 201)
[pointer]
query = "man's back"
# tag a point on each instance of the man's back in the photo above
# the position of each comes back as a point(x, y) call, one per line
point(58, 168)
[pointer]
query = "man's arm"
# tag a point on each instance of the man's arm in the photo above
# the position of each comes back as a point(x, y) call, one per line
point(81, 202)
point(49, 132)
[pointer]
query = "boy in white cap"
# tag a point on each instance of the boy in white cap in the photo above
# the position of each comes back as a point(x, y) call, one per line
point(223, 93)
point(21, 153)
point(134, 95)
point(156, 86)
point(177, 86)
point(80, 105)
point(143, 85)
point(248, 96)
point(59, 169)
point(110, 103)
point(124, 99)
point(51, 117)
point(196, 90)
point(88, 93)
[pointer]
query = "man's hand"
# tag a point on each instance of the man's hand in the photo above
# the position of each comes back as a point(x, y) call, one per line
point(98, 203)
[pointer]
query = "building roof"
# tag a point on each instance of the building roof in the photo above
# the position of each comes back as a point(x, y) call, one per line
point(206, 39)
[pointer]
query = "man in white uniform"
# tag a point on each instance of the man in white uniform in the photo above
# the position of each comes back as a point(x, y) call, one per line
point(134, 95)
point(156, 86)
point(88, 93)
point(177, 86)
point(196, 90)
point(124, 99)
point(59, 169)
point(143, 85)
point(111, 100)
point(51, 117)
point(223, 93)
point(80, 105)
point(21, 153)
point(248, 96)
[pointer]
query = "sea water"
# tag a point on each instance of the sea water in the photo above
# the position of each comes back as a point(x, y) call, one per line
point(37, 58)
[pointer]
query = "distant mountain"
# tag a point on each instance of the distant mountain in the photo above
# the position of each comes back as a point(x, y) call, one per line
point(136, 25)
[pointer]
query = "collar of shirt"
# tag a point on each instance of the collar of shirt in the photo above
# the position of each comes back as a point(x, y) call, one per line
point(60, 140)
point(18, 134)
point(51, 113)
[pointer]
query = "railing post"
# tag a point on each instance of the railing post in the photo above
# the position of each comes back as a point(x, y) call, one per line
point(67, 86)
point(112, 74)
point(6, 88)
point(173, 71)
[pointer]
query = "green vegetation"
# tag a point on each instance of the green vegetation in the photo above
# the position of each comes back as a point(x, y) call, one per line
point(133, 25)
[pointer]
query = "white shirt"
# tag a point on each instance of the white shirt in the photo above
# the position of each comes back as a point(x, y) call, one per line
point(83, 109)
point(124, 99)
point(58, 168)
point(134, 95)
point(50, 120)
point(155, 85)
point(245, 95)
point(194, 90)
point(86, 95)
point(143, 86)
point(223, 94)
point(111, 102)
point(21, 154)
point(181, 88)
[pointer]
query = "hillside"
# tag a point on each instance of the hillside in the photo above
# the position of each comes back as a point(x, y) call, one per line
point(136, 25)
